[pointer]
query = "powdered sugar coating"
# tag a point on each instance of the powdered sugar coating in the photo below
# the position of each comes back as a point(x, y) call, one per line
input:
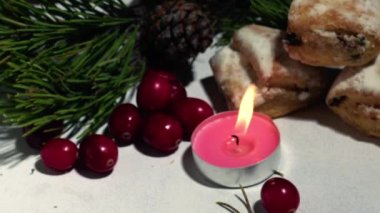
point(363, 79)
point(232, 70)
point(262, 47)
point(262, 44)
point(363, 14)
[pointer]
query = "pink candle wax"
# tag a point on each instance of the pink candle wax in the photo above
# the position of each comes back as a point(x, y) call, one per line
point(214, 141)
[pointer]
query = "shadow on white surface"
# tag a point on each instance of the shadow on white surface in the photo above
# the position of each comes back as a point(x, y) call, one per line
point(79, 168)
point(13, 148)
point(258, 207)
point(41, 168)
point(193, 172)
point(147, 150)
point(324, 117)
point(214, 94)
point(85, 172)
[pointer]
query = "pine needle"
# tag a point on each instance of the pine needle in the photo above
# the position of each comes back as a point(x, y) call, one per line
point(71, 60)
point(272, 13)
point(228, 207)
point(244, 201)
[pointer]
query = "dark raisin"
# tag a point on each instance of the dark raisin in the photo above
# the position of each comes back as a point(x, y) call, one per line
point(336, 102)
point(356, 56)
point(292, 39)
point(361, 40)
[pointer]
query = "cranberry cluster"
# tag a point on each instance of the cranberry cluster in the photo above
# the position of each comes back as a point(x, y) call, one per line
point(97, 152)
point(164, 115)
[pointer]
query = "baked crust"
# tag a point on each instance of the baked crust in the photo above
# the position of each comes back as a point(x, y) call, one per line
point(283, 87)
point(355, 97)
point(262, 48)
point(334, 33)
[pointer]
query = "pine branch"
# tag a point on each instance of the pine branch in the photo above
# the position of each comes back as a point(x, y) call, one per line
point(271, 13)
point(71, 60)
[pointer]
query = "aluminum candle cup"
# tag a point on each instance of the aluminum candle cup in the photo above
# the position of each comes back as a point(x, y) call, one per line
point(232, 160)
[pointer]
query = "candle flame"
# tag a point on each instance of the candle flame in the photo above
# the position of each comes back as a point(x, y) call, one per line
point(246, 110)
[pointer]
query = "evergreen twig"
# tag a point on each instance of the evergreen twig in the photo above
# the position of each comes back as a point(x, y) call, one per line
point(71, 60)
point(272, 13)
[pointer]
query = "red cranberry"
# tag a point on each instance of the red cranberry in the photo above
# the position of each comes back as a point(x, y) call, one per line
point(59, 154)
point(158, 89)
point(178, 92)
point(191, 112)
point(99, 153)
point(154, 73)
point(280, 196)
point(163, 132)
point(125, 122)
point(41, 136)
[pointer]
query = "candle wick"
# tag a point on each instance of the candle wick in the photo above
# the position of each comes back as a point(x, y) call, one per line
point(236, 139)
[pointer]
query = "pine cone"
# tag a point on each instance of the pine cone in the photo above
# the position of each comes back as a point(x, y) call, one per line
point(178, 30)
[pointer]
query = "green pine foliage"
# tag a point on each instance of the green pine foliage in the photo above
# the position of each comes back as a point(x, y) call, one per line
point(272, 13)
point(69, 60)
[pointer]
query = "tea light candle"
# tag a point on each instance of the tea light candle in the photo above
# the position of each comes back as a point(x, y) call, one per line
point(232, 152)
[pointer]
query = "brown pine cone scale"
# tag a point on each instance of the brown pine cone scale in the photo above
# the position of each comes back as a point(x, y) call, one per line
point(178, 29)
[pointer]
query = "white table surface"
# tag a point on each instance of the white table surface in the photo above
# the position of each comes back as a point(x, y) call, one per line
point(335, 168)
